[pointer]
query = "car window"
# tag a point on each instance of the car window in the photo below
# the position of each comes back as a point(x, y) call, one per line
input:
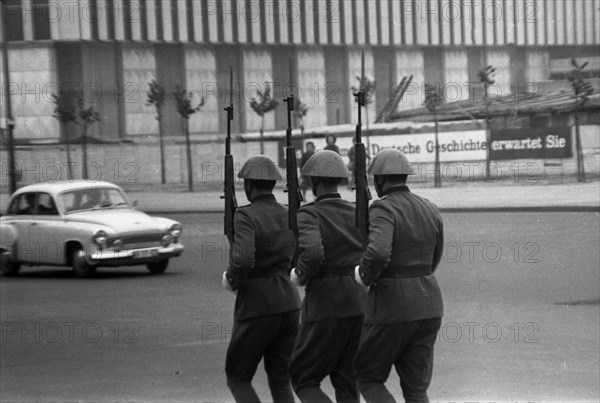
point(93, 198)
point(45, 205)
point(24, 204)
point(14, 206)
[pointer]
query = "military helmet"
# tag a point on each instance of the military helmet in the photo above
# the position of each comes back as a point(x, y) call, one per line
point(326, 164)
point(260, 167)
point(391, 162)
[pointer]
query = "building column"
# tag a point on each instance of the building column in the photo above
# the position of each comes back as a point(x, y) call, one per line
point(411, 62)
point(312, 83)
point(201, 80)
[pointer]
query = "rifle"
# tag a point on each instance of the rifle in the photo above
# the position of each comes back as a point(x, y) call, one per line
point(292, 188)
point(363, 194)
point(229, 182)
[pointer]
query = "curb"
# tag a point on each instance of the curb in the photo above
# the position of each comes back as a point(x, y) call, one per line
point(532, 209)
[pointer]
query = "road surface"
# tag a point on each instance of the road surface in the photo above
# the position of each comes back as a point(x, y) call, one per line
point(521, 319)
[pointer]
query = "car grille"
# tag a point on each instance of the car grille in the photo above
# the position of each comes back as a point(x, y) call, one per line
point(141, 241)
point(140, 245)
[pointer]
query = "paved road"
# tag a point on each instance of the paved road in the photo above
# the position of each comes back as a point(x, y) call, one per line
point(521, 299)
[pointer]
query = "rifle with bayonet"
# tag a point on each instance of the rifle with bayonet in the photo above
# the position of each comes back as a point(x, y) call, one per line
point(229, 181)
point(292, 188)
point(361, 184)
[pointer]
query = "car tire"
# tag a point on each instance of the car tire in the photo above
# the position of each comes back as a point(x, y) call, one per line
point(8, 266)
point(158, 267)
point(79, 265)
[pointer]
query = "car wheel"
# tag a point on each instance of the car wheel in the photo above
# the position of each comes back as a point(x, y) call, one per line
point(158, 267)
point(79, 265)
point(8, 266)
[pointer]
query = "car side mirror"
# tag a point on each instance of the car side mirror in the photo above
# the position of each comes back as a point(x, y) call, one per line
point(134, 203)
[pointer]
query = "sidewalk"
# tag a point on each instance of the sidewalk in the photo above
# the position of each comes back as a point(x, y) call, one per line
point(565, 197)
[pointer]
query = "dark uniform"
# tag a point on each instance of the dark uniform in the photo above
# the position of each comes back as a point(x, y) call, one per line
point(332, 310)
point(404, 305)
point(267, 305)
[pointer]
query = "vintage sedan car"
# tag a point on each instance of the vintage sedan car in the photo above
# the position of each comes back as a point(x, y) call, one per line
point(83, 225)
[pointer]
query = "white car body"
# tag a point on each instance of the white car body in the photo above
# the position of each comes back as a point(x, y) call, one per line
point(84, 225)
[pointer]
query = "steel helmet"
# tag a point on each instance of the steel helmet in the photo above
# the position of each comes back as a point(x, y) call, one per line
point(391, 162)
point(326, 164)
point(260, 167)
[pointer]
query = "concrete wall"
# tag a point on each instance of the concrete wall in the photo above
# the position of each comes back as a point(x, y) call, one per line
point(140, 163)
point(128, 163)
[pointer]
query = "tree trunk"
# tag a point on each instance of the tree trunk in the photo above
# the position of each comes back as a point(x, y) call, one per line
point(84, 172)
point(188, 151)
point(437, 178)
point(488, 140)
point(580, 162)
point(68, 151)
point(262, 126)
point(163, 175)
point(367, 134)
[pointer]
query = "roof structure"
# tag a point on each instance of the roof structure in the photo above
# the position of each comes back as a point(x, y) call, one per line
point(524, 103)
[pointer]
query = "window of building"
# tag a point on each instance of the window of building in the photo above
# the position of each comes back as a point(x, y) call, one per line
point(41, 19)
point(12, 13)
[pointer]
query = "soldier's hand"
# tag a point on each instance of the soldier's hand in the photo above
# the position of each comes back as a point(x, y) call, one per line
point(294, 277)
point(225, 283)
point(358, 277)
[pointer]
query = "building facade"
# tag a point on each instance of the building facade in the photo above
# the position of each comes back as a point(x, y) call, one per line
point(109, 50)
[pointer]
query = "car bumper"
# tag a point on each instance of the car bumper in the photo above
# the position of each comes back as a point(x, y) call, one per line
point(132, 257)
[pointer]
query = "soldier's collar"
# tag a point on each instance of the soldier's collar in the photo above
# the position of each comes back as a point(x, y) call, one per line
point(266, 196)
point(401, 188)
point(328, 196)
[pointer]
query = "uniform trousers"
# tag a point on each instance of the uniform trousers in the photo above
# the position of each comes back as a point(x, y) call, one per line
point(271, 337)
point(326, 348)
point(408, 347)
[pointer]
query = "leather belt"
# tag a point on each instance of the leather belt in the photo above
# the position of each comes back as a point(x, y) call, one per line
point(406, 272)
point(334, 272)
point(268, 272)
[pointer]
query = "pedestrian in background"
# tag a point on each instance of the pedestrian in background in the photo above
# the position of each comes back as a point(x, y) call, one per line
point(329, 247)
point(267, 305)
point(404, 304)
point(331, 146)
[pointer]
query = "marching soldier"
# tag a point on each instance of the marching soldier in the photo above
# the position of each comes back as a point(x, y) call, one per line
point(267, 305)
point(404, 304)
point(328, 249)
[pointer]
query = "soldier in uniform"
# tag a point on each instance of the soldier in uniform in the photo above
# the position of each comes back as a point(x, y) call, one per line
point(404, 303)
point(329, 247)
point(267, 305)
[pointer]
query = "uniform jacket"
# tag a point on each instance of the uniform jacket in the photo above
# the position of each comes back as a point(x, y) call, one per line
point(260, 260)
point(329, 248)
point(406, 239)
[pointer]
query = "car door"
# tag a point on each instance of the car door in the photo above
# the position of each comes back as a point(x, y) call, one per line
point(45, 230)
point(21, 215)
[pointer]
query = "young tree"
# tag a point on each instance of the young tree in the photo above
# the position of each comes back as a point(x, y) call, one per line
point(156, 97)
point(87, 117)
point(300, 110)
point(581, 93)
point(486, 77)
point(64, 112)
point(261, 104)
point(184, 107)
point(433, 99)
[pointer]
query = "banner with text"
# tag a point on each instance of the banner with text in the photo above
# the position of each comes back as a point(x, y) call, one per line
point(536, 143)
point(454, 146)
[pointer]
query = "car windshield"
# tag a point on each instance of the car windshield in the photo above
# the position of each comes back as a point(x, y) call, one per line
point(92, 199)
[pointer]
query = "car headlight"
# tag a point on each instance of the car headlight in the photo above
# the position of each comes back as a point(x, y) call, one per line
point(117, 244)
point(100, 237)
point(175, 231)
point(166, 240)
